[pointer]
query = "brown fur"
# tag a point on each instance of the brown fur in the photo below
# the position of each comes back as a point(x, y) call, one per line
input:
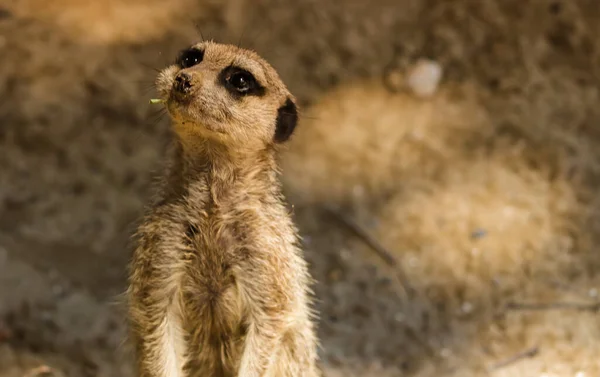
point(218, 286)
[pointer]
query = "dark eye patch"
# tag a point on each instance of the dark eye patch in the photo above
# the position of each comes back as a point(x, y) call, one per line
point(190, 57)
point(240, 82)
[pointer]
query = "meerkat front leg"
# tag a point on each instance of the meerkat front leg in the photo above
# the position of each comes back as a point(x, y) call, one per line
point(289, 354)
point(158, 338)
point(279, 330)
point(279, 346)
point(155, 316)
point(259, 348)
point(267, 306)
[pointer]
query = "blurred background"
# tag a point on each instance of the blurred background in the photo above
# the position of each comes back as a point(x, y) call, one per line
point(452, 226)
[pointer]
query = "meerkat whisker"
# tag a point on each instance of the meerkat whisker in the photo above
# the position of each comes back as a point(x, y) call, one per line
point(150, 67)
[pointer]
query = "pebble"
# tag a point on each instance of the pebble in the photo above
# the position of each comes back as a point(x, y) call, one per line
point(466, 307)
point(345, 255)
point(478, 233)
point(399, 317)
point(424, 77)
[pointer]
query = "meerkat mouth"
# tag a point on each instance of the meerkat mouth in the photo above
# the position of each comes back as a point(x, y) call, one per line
point(180, 114)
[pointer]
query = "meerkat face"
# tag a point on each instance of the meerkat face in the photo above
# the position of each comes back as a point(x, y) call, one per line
point(228, 93)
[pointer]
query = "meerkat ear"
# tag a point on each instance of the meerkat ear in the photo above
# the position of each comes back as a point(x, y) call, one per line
point(287, 118)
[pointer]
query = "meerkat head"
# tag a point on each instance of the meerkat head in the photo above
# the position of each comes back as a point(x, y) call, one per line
point(227, 93)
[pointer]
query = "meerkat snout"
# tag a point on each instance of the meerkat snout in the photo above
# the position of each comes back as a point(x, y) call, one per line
point(183, 83)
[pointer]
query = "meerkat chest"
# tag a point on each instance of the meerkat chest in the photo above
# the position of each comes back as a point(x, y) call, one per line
point(220, 241)
point(215, 251)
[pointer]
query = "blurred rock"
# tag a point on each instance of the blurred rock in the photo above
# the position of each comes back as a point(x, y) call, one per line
point(424, 77)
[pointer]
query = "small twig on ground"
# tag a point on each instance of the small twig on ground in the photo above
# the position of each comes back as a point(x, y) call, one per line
point(592, 307)
point(361, 233)
point(527, 354)
point(373, 243)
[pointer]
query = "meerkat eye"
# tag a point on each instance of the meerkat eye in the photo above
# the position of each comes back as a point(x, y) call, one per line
point(240, 82)
point(190, 57)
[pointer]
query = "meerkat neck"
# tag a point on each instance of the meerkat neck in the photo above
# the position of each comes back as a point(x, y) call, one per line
point(222, 168)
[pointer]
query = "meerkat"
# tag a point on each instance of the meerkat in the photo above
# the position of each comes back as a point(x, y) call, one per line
point(217, 283)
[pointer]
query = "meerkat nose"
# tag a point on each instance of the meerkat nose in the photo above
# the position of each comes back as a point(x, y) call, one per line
point(183, 83)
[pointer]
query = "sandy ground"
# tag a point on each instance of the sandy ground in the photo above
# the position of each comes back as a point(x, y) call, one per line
point(484, 194)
